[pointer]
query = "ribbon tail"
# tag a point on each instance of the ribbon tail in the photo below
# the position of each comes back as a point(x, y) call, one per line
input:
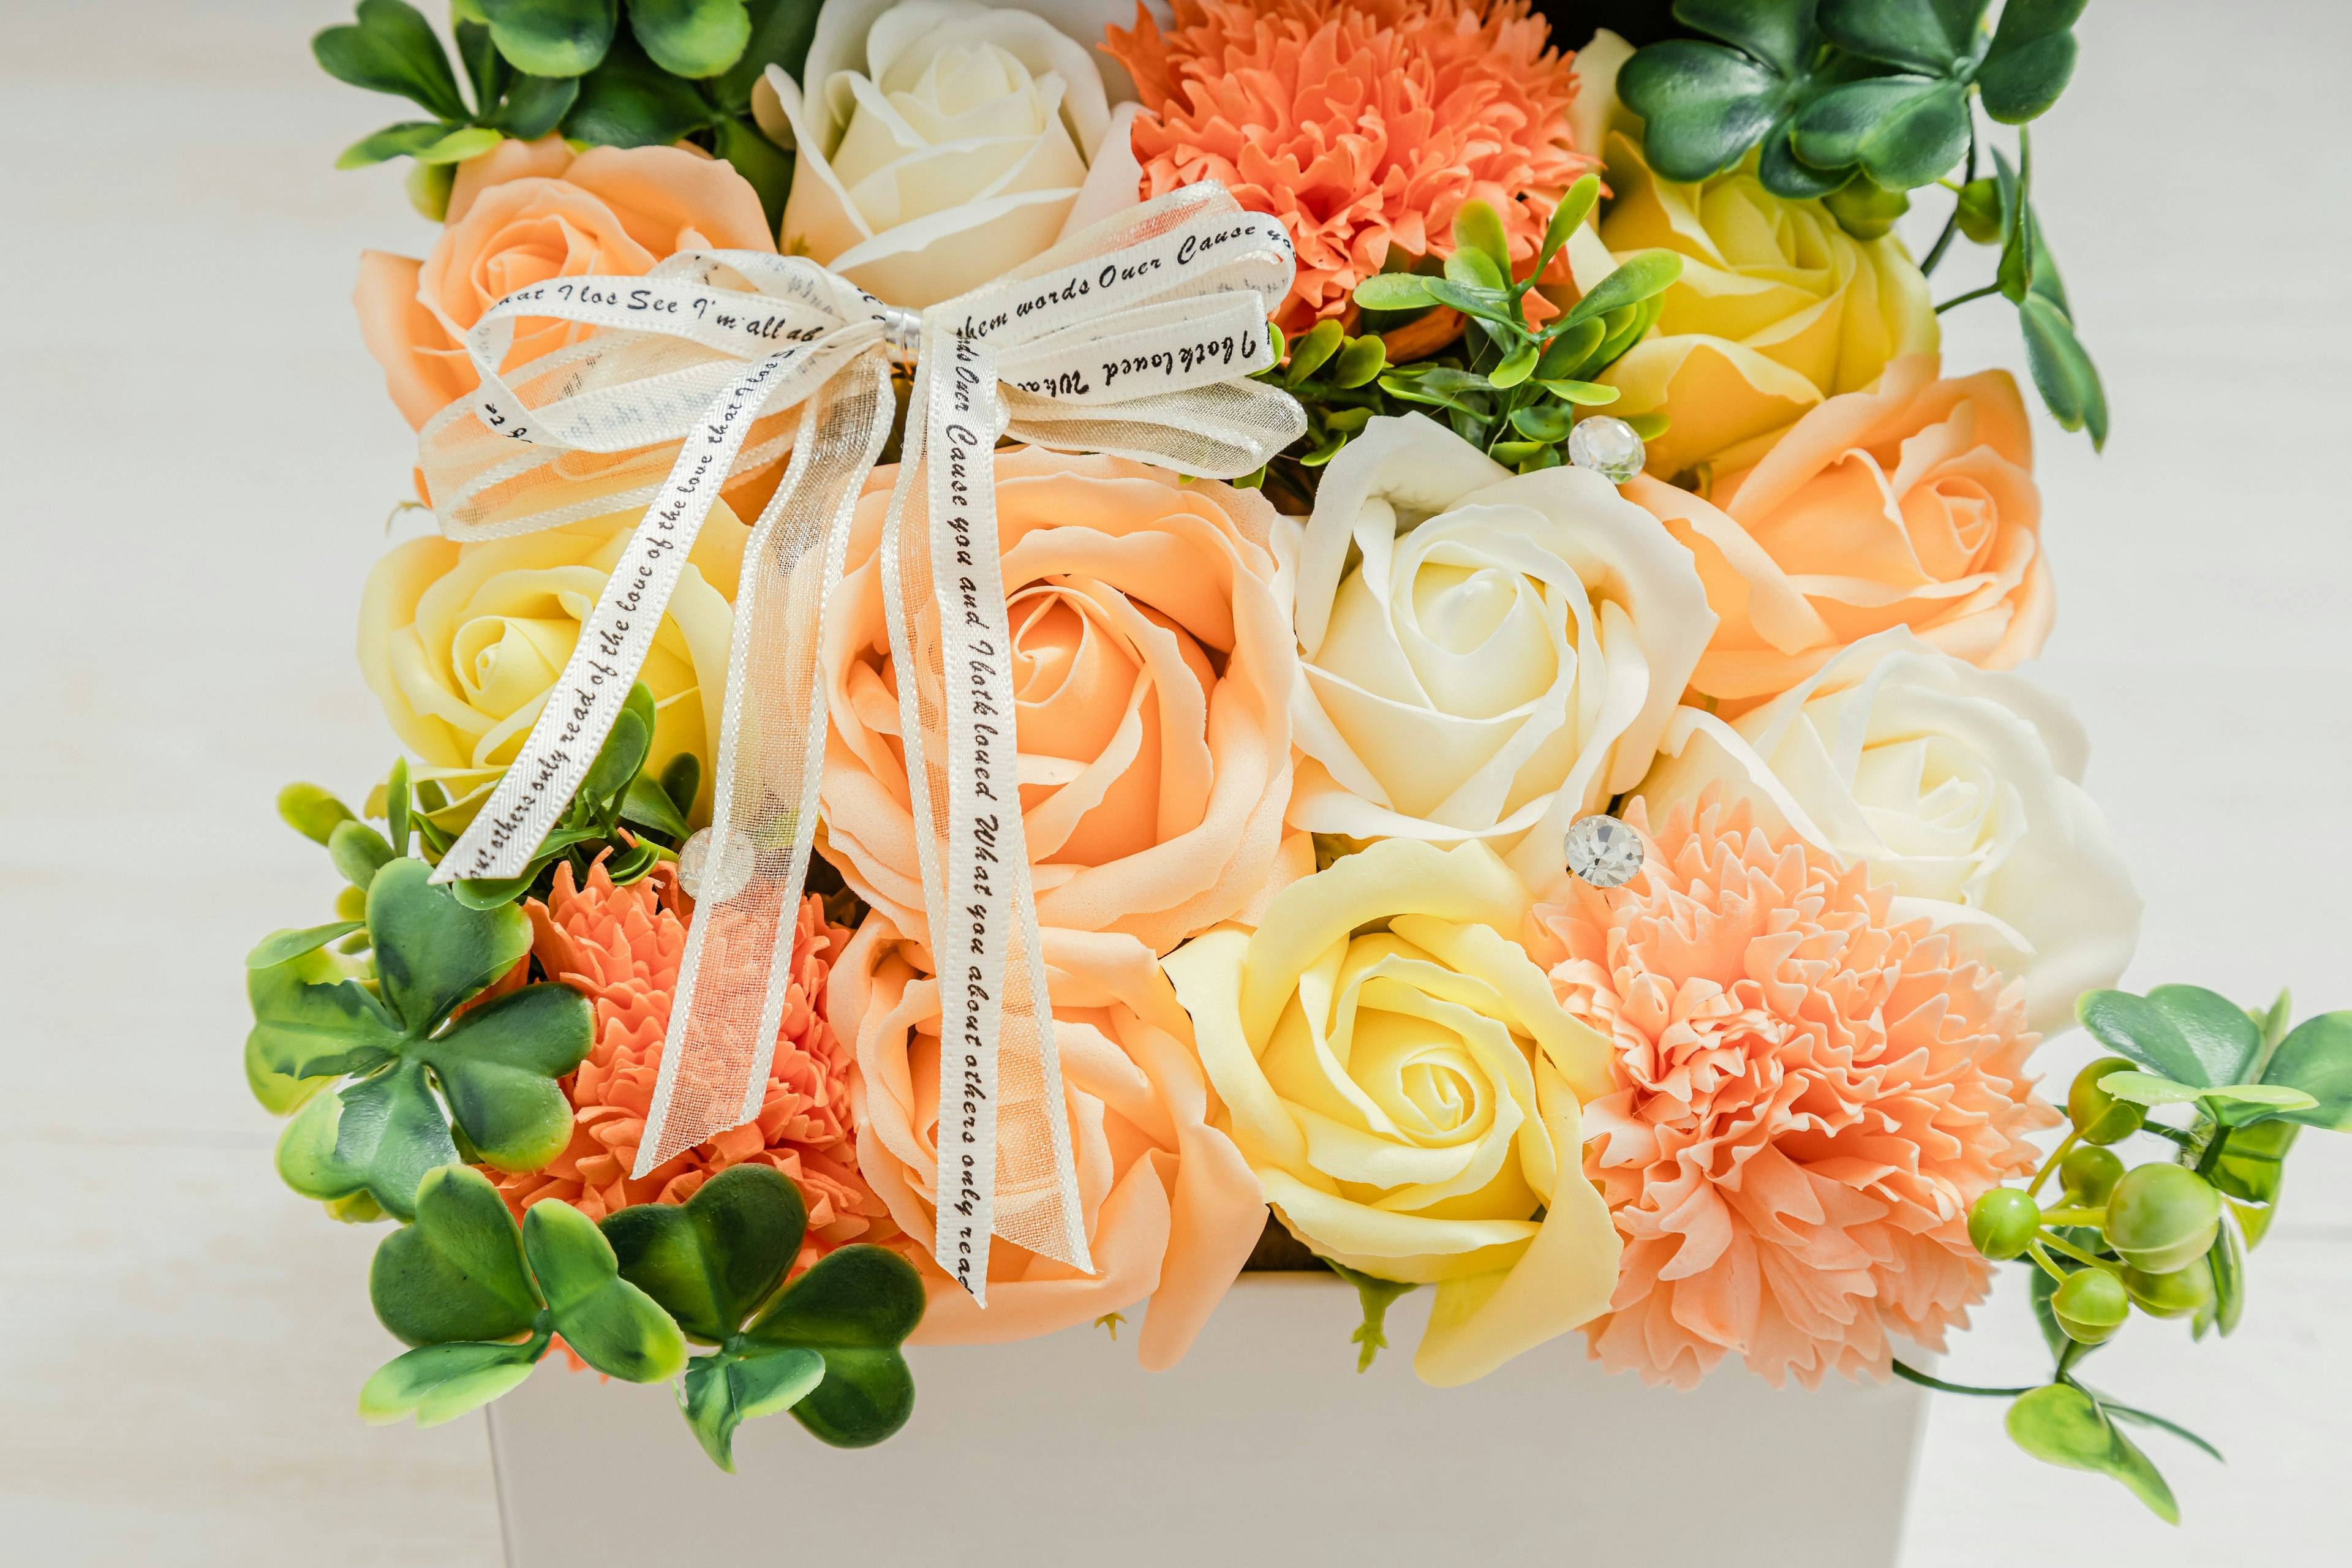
point(735, 976)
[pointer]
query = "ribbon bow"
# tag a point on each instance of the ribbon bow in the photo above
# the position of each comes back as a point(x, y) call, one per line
point(1133, 338)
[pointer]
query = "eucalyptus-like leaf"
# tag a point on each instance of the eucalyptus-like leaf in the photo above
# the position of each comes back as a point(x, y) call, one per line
point(2063, 371)
point(552, 37)
point(691, 38)
point(713, 1260)
point(2181, 1032)
point(1485, 304)
point(610, 1323)
point(2317, 1058)
point(2061, 1425)
point(2031, 60)
point(1394, 291)
point(392, 49)
point(440, 1382)
point(1635, 280)
point(456, 1272)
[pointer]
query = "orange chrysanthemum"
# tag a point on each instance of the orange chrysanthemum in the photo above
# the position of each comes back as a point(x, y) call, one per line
point(1359, 123)
point(621, 948)
point(1813, 1095)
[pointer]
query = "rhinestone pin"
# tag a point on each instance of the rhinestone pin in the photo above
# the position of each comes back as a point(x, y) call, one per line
point(716, 877)
point(1608, 446)
point(1603, 851)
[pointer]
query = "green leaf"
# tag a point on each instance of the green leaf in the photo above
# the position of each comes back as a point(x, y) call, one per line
point(2143, 1418)
point(392, 50)
point(629, 101)
point(2316, 1057)
point(1565, 217)
point(2229, 1266)
point(1308, 352)
point(691, 38)
point(2031, 60)
point(1478, 232)
point(1702, 106)
point(1394, 291)
point(1631, 325)
point(1568, 348)
point(1473, 269)
point(430, 951)
point(396, 807)
point(1487, 304)
point(2255, 1220)
point(401, 141)
point(1902, 131)
point(781, 31)
point(1542, 423)
point(648, 804)
point(310, 810)
point(2042, 1288)
point(855, 1308)
point(382, 1134)
point(280, 1094)
point(681, 780)
point(1516, 366)
point(486, 68)
point(456, 1272)
point(1648, 427)
point(610, 1323)
point(2181, 1032)
point(536, 105)
point(1359, 363)
point(283, 945)
point(1635, 280)
point(2063, 372)
point(721, 1393)
point(1785, 174)
point(441, 1382)
point(491, 892)
point(1933, 38)
point(498, 1068)
point(618, 760)
point(359, 852)
point(1779, 32)
point(465, 141)
point(767, 167)
point(710, 1261)
point(552, 37)
point(2253, 1162)
point(2061, 1425)
point(1583, 393)
point(311, 1021)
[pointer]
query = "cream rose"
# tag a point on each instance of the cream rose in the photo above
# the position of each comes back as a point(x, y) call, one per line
point(1960, 785)
point(943, 143)
point(461, 642)
point(1497, 656)
point(1401, 1077)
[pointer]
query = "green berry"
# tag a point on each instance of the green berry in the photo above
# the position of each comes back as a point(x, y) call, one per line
point(2089, 1174)
point(2177, 1294)
point(1980, 210)
point(2001, 1222)
point(2097, 1115)
point(2162, 1217)
point(2090, 1306)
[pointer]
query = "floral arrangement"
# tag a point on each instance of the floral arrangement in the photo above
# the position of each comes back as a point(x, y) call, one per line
point(1557, 823)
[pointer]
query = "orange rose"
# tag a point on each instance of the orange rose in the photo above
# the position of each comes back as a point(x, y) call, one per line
point(1170, 1208)
point(1152, 668)
point(1912, 505)
point(528, 211)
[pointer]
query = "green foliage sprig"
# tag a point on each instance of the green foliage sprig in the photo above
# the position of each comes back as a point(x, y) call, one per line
point(2169, 1236)
point(679, 69)
point(481, 1301)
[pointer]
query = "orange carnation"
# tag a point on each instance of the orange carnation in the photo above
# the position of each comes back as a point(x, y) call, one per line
point(1813, 1095)
point(620, 947)
point(1359, 123)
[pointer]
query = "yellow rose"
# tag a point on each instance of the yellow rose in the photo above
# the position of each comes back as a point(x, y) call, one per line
point(1397, 1072)
point(460, 642)
point(1777, 307)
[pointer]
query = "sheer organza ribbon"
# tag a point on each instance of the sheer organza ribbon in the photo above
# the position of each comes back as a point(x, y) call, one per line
point(1134, 338)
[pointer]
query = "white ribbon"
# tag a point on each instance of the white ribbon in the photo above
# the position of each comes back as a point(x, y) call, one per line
point(1133, 338)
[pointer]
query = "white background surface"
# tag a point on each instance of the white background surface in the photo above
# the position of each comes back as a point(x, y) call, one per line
point(196, 461)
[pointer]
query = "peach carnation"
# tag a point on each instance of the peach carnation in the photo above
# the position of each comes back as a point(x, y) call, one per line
point(1359, 123)
point(620, 947)
point(1813, 1094)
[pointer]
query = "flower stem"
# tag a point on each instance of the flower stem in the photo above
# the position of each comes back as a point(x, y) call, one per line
point(1964, 298)
point(2076, 1253)
point(2212, 1155)
point(2041, 1258)
point(1912, 1374)
point(2065, 1146)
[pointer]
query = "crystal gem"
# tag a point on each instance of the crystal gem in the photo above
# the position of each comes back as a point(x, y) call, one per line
point(1604, 850)
point(720, 876)
point(1606, 445)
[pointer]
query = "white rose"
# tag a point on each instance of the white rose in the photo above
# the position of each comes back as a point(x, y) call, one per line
point(943, 143)
point(1960, 785)
point(1498, 657)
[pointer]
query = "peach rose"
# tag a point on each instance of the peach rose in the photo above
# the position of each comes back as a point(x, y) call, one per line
point(528, 211)
point(1170, 1209)
point(1152, 667)
point(1909, 505)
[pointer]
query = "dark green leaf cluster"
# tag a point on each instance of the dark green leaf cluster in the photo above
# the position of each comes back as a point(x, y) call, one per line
point(678, 70)
point(2169, 1236)
point(481, 1301)
point(1833, 90)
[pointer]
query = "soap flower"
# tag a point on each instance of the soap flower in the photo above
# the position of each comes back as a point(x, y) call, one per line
point(1168, 1207)
point(1911, 504)
point(525, 212)
point(462, 643)
point(1362, 125)
point(942, 143)
point(620, 947)
point(1151, 669)
point(1776, 308)
point(1486, 656)
point(1960, 788)
point(1400, 1077)
point(1810, 1094)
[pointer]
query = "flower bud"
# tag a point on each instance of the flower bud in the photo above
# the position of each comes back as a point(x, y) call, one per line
point(2097, 1115)
point(2090, 1306)
point(2089, 1174)
point(2162, 1217)
point(2001, 1222)
point(1866, 210)
point(1979, 212)
point(2174, 1295)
